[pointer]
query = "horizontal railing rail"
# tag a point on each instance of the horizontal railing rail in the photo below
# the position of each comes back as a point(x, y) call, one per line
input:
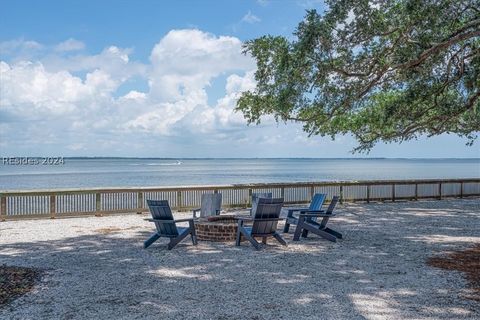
point(98, 201)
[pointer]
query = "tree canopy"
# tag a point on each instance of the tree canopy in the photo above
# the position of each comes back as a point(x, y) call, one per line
point(387, 71)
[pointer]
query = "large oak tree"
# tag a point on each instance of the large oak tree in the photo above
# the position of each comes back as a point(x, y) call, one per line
point(386, 71)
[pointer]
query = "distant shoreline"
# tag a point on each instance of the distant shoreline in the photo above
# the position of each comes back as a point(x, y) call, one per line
point(246, 158)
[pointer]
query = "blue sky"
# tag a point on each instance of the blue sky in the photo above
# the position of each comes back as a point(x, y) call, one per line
point(153, 79)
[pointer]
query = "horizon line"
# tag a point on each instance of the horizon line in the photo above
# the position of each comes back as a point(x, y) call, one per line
point(248, 158)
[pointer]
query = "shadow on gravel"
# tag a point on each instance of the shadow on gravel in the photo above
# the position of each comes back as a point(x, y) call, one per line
point(374, 273)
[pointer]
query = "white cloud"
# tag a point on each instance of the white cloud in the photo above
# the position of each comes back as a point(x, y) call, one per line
point(113, 60)
point(250, 18)
point(28, 89)
point(186, 60)
point(164, 115)
point(310, 3)
point(184, 63)
point(220, 117)
point(70, 45)
point(135, 95)
point(12, 45)
point(68, 101)
point(21, 49)
point(263, 3)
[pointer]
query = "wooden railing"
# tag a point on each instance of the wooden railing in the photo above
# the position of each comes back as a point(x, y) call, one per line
point(63, 203)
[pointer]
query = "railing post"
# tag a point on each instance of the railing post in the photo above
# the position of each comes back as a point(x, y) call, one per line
point(312, 191)
point(440, 191)
point(368, 193)
point(416, 191)
point(461, 189)
point(282, 192)
point(393, 192)
point(140, 202)
point(179, 199)
point(250, 192)
point(3, 208)
point(341, 194)
point(53, 206)
point(98, 203)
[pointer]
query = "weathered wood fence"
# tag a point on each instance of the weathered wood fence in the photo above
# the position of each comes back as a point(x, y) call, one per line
point(63, 203)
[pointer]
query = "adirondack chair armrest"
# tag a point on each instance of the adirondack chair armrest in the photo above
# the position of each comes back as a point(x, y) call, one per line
point(160, 220)
point(291, 210)
point(269, 219)
point(244, 218)
point(241, 219)
point(306, 211)
point(184, 220)
point(314, 214)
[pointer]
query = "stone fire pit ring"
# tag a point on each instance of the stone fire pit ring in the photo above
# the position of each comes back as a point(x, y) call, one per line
point(222, 228)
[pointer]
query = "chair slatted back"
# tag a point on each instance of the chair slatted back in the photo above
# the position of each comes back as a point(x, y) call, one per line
point(211, 204)
point(332, 204)
point(317, 201)
point(258, 195)
point(160, 209)
point(330, 209)
point(267, 208)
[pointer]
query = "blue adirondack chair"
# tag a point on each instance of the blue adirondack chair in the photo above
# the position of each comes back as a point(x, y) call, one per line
point(166, 225)
point(305, 223)
point(315, 205)
point(258, 195)
point(264, 222)
point(211, 205)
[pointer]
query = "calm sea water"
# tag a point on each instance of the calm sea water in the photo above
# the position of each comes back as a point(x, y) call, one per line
point(91, 173)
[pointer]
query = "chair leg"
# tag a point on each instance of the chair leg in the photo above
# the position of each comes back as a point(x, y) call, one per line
point(194, 238)
point(250, 238)
point(314, 229)
point(239, 234)
point(154, 237)
point(305, 231)
point(239, 238)
point(287, 223)
point(298, 230)
point(324, 234)
point(172, 244)
point(193, 233)
point(334, 233)
point(174, 241)
point(280, 239)
point(327, 236)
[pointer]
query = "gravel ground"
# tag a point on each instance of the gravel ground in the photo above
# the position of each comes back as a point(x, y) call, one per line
point(95, 268)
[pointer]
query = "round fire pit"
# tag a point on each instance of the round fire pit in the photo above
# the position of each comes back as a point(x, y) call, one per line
point(217, 228)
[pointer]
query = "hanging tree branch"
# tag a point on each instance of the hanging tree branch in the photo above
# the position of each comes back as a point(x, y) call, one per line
point(392, 73)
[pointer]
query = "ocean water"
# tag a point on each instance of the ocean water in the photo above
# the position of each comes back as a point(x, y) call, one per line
point(128, 172)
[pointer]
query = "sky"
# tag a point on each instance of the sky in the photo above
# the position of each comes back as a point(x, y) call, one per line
point(153, 79)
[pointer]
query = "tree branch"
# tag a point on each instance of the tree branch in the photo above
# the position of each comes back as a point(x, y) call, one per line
point(438, 47)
